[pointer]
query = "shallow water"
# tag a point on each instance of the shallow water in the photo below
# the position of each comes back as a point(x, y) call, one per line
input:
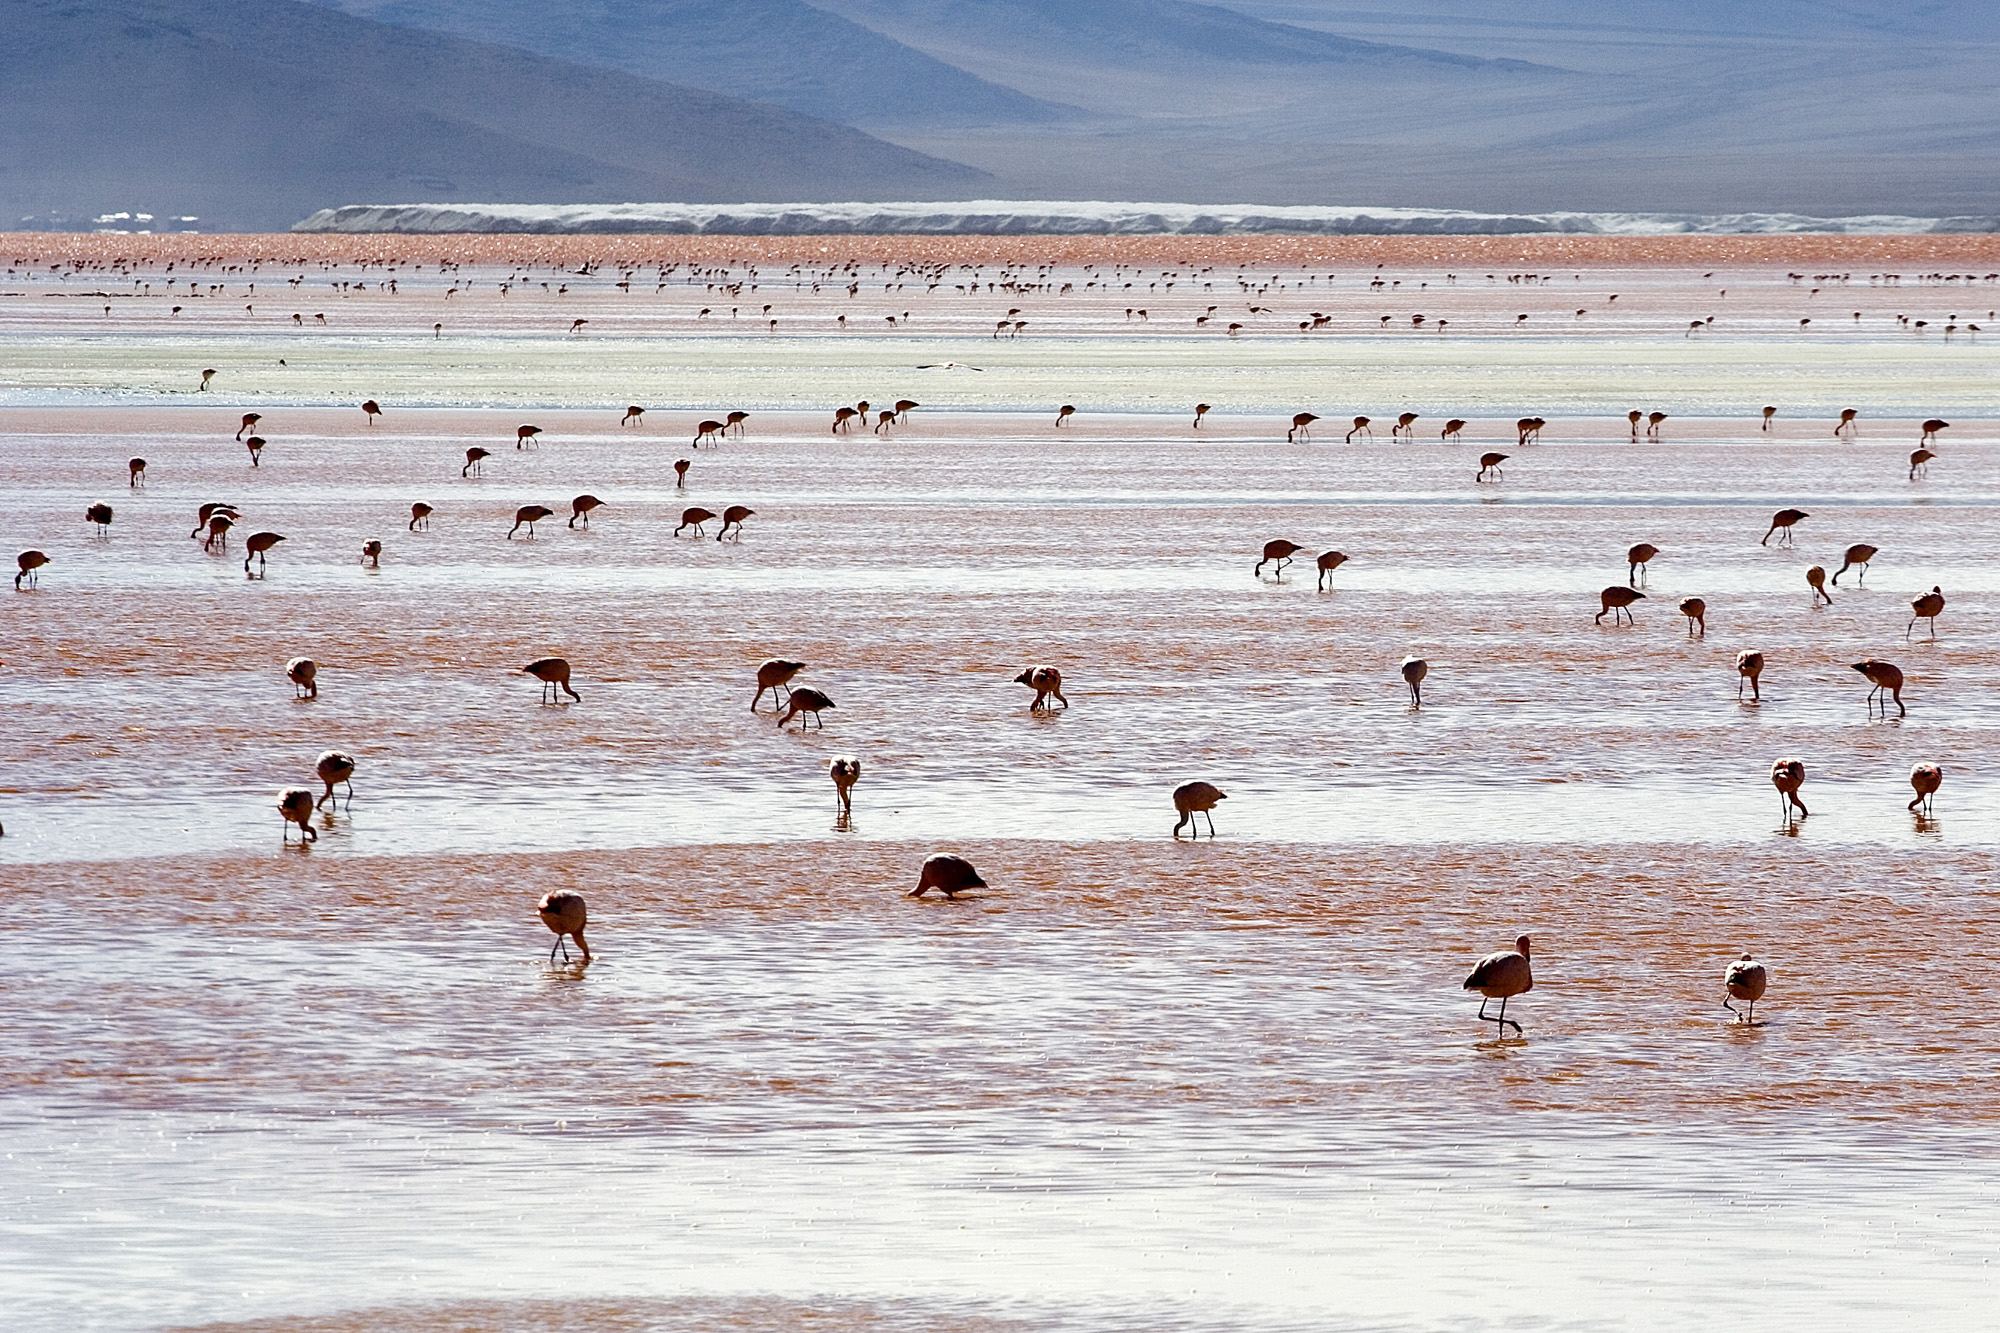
point(1140, 1082)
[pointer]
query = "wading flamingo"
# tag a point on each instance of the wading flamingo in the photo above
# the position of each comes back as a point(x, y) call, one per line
point(1782, 523)
point(1926, 607)
point(1883, 676)
point(553, 672)
point(950, 875)
point(1745, 980)
point(1750, 667)
point(1615, 600)
point(1788, 775)
point(1925, 779)
point(563, 912)
point(1328, 562)
point(1193, 798)
point(1280, 551)
point(295, 806)
point(1044, 681)
point(774, 675)
point(1858, 554)
point(805, 699)
point(1501, 976)
point(335, 767)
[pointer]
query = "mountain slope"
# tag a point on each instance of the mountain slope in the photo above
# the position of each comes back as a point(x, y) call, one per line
point(1134, 34)
point(252, 113)
point(781, 51)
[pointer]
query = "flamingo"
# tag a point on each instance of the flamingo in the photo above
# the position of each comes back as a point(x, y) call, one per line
point(1858, 554)
point(1501, 976)
point(1745, 980)
point(1044, 681)
point(1788, 775)
point(473, 458)
point(28, 562)
point(1926, 607)
point(950, 875)
point(257, 545)
point(681, 466)
point(1328, 562)
point(1638, 558)
point(1816, 580)
point(1769, 412)
point(1696, 611)
point(1414, 670)
point(100, 514)
point(1882, 676)
point(694, 518)
point(1301, 426)
point(563, 911)
point(805, 699)
point(1282, 552)
point(634, 416)
point(295, 806)
point(1782, 523)
point(1616, 599)
point(1490, 462)
point(1200, 411)
point(1192, 798)
point(1931, 428)
point(256, 446)
point(529, 515)
point(1451, 429)
point(1920, 462)
point(207, 519)
point(1846, 426)
point(135, 469)
point(522, 434)
point(553, 672)
point(371, 554)
point(420, 516)
point(712, 430)
point(249, 419)
point(775, 675)
point(1925, 779)
point(303, 672)
point(371, 409)
point(335, 767)
point(1749, 666)
point(1360, 428)
point(845, 772)
point(581, 507)
point(1064, 413)
point(733, 517)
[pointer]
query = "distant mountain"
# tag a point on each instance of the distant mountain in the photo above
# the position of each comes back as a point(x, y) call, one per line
point(782, 51)
point(253, 113)
point(1580, 21)
point(1134, 34)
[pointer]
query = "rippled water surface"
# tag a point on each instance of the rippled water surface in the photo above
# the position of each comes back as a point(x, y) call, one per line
point(1136, 1083)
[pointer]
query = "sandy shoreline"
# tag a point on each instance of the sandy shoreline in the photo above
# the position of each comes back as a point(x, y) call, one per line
point(1976, 251)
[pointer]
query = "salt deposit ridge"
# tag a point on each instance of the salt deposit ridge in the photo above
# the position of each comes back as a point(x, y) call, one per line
point(1000, 217)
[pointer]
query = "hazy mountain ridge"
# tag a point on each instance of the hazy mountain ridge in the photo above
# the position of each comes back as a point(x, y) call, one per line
point(785, 52)
point(252, 113)
point(1136, 34)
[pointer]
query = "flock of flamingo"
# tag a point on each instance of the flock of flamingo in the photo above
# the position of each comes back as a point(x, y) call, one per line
point(1499, 976)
